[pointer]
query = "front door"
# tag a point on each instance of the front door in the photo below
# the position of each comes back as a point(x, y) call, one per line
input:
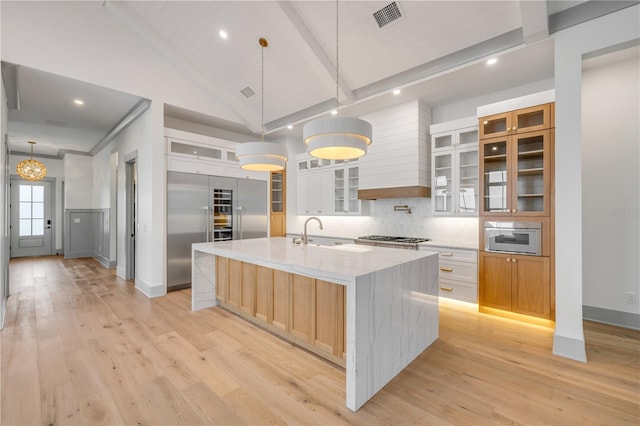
point(31, 218)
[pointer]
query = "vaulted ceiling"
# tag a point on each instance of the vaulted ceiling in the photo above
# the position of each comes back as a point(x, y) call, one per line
point(435, 51)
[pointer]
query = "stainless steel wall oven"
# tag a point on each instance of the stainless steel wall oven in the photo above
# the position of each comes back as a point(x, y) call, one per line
point(513, 237)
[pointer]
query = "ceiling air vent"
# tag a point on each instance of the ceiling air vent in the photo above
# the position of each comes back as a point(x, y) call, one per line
point(56, 123)
point(388, 14)
point(247, 92)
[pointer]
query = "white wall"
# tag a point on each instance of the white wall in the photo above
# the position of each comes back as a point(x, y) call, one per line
point(4, 228)
point(571, 44)
point(54, 170)
point(610, 178)
point(78, 181)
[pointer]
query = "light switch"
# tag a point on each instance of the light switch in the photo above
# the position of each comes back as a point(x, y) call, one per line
point(76, 220)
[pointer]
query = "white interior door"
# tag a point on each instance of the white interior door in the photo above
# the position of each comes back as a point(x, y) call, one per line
point(31, 218)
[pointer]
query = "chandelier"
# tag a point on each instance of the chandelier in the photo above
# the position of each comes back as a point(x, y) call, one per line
point(262, 156)
point(337, 138)
point(31, 169)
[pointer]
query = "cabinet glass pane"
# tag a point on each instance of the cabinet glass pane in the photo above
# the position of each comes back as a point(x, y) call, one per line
point(231, 156)
point(303, 165)
point(443, 183)
point(443, 141)
point(469, 137)
point(530, 167)
point(353, 189)
point(496, 125)
point(495, 177)
point(183, 148)
point(339, 190)
point(531, 119)
point(276, 193)
point(468, 176)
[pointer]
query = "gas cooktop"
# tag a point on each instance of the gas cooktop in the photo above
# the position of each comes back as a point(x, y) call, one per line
point(388, 241)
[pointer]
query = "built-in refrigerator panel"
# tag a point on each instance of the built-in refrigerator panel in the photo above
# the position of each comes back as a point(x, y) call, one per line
point(251, 209)
point(188, 213)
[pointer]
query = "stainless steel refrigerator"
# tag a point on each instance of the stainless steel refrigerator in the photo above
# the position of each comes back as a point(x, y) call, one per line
point(209, 208)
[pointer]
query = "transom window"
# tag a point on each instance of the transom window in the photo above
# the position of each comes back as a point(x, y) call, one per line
point(31, 210)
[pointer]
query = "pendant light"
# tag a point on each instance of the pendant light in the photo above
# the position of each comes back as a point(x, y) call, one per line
point(31, 169)
point(262, 156)
point(337, 138)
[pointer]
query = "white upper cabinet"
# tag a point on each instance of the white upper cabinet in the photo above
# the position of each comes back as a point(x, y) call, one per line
point(327, 187)
point(454, 168)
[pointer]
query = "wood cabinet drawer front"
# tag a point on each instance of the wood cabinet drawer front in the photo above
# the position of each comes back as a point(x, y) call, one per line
point(457, 255)
point(459, 271)
point(459, 291)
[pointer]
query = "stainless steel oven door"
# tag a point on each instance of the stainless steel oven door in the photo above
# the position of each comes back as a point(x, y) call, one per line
point(513, 237)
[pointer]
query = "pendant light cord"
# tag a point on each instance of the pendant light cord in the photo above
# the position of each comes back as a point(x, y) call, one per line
point(337, 62)
point(263, 44)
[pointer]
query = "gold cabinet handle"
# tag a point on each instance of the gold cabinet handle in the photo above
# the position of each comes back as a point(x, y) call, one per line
point(446, 254)
point(508, 210)
point(514, 260)
point(446, 269)
point(446, 288)
point(515, 211)
point(508, 260)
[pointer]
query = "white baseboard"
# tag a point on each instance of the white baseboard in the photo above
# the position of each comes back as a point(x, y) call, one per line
point(569, 347)
point(150, 291)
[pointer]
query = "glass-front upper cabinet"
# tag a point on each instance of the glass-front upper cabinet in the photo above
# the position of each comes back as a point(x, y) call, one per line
point(532, 166)
point(345, 184)
point(516, 174)
point(454, 171)
point(495, 173)
point(515, 122)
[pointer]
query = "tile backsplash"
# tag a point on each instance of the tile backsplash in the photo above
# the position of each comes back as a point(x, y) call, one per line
point(383, 220)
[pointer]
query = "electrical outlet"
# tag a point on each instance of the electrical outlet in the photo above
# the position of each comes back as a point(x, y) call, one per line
point(630, 298)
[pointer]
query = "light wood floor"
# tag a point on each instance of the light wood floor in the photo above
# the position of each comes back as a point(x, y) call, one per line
point(81, 346)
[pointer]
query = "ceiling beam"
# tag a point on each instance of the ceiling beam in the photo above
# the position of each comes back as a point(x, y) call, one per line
point(174, 57)
point(313, 46)
point(11, 84)
point(535, 20)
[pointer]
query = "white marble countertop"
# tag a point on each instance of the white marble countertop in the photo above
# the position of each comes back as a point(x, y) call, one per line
point(465, 245)
point(340, 263)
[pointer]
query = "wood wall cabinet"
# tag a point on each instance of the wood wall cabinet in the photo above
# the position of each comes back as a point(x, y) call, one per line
point(278, 203)
point(517, 184)
point(515, 283)
point(303, 310)
point(513, 122)
point(516, 174)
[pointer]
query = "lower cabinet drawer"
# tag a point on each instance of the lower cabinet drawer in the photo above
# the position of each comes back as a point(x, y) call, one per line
point(459, 271)
point(459, 291)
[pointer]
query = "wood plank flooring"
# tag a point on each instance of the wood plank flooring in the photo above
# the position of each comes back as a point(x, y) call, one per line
point(81, 346)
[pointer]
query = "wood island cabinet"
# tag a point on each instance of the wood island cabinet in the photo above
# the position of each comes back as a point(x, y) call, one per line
point(303, 310)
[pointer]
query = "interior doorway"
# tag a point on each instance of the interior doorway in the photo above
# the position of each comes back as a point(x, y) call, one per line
point(131, 214)
point(31, 218)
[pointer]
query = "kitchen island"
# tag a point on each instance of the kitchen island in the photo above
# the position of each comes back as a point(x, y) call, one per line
point(390, 298)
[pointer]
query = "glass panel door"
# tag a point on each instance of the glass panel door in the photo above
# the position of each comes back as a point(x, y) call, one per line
point(354, 178)
point(495, 177)
point(276, 192)
point(468, 181)
point(443, 184)
point(338, 184)
point(531, 169)
point(222, 214)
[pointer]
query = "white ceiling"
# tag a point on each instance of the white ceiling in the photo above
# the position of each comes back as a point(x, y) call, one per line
point(436, 52)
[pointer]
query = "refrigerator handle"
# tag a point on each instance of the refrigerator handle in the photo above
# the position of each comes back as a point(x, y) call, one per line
point(207, 215)
point(240, 222)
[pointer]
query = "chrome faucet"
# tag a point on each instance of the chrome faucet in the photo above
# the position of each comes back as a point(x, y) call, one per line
point(305, 239)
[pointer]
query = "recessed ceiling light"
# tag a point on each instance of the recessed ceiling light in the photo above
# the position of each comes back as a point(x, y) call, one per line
point(289, 127)
point(223, 34)
point(334, 112)
point(396, 92)
point(492, 61)
point(78, 101)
